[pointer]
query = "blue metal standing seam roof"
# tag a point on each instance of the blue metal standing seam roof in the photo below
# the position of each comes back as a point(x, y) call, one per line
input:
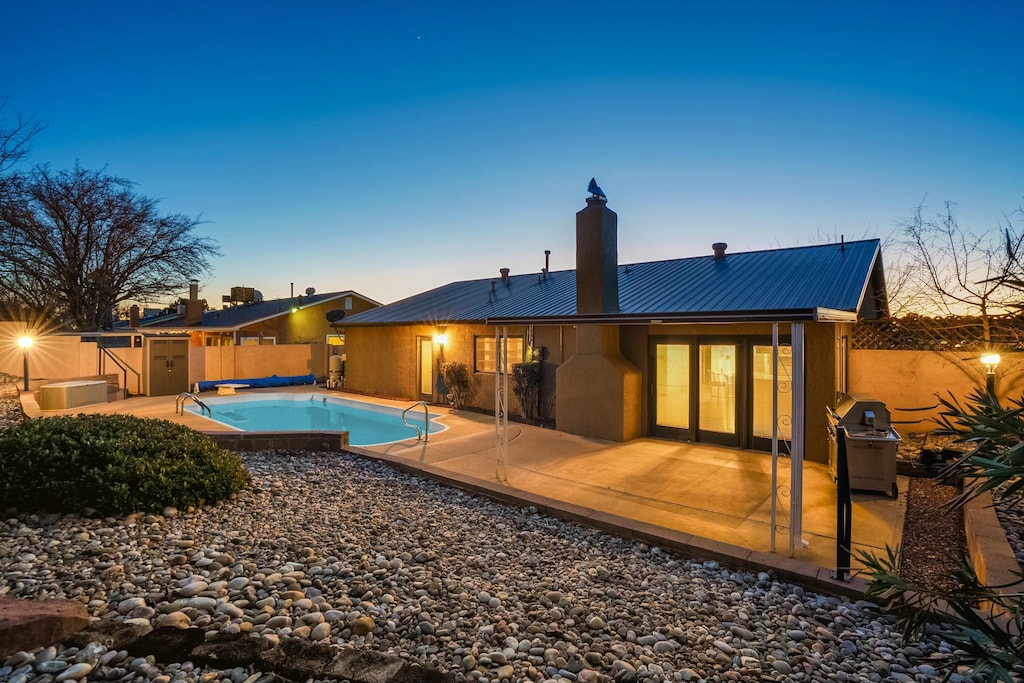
point(830, 276)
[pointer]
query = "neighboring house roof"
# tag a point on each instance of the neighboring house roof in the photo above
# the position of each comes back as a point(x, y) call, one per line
point(821, 282)
point(242, 315)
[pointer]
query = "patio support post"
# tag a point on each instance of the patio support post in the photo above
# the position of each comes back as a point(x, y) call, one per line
point(796, 477)
point(501, 402)
point(775, 431)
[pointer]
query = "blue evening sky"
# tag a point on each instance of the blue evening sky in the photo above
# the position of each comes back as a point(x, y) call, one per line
point(393, 147)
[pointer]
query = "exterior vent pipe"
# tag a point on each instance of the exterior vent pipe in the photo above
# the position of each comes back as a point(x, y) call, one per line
point(719, 249)
point(504, 275)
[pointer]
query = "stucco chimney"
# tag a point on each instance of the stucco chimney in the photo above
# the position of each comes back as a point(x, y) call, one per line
point(597, 366)
point(193, 307)
point(597, 256)
point(719, 249)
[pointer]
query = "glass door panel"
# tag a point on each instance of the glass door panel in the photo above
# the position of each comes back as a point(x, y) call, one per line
point(762, 398)
point(426, 367)
point(672, 398)
point(717, 383)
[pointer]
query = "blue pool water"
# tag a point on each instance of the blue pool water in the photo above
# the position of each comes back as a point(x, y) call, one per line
point(367, 424)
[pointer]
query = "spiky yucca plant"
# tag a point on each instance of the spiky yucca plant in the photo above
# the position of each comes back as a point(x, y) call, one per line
point(984, 623)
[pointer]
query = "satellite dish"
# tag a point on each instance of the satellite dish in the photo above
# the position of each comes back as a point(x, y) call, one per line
point(335, 316)
point(310, 291)
point(595, 190)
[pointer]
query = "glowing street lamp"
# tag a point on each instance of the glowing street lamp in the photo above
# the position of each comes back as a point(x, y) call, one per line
point(990, 361)
point(25, 342)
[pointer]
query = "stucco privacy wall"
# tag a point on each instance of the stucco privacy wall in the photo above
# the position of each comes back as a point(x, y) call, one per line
point(241, 362)
point(52, 357)
point(62, 357)
point(914, 379)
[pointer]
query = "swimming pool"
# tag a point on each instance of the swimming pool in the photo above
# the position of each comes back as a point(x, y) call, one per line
point(367, 424)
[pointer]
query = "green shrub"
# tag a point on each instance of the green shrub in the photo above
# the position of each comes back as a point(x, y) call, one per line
point(457, 381)
point(115, 464)
point(526, 378)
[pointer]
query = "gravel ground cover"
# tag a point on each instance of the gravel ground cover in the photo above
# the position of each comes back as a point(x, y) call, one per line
point(323, 543)
point(335, 549)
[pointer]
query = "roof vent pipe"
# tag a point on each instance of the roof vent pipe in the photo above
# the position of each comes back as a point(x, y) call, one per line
point(719, 249)
point(547, 260)
point(504, 275)
point(492, 287)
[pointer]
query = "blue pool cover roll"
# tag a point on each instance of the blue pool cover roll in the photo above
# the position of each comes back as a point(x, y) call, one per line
point(257, 382)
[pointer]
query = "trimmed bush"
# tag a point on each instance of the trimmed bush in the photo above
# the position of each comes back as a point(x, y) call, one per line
point(457, 380)
point(526, 378)
point(115, 464)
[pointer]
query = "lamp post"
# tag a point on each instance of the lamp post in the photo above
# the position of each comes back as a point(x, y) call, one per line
point(990, 361)
point(25, 342)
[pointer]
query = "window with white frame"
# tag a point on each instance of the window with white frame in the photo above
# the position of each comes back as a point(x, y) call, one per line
point(486, 357)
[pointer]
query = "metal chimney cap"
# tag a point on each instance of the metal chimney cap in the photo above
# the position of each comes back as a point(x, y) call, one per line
point(719, 249)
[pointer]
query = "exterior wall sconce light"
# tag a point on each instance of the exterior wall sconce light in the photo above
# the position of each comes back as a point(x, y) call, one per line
point(25, 342)
point(990, 361)
point(440, 339)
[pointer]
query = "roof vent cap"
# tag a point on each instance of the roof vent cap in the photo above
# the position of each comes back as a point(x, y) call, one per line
point(719, 249)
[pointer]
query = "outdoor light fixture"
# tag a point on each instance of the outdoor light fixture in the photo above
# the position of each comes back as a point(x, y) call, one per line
point(25, 342)
point(990, 361)
point(440, 339)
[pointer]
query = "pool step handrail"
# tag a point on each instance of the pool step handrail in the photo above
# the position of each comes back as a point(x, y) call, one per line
point(425, 432)
point(179, 404)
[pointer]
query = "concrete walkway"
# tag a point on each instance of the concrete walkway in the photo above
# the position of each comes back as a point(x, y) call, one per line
point(703, 501)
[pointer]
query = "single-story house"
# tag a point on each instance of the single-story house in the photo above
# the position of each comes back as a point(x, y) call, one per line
point(680, 349)
point(294, 320)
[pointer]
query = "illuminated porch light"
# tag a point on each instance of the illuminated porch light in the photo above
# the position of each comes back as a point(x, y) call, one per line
point(440, 339)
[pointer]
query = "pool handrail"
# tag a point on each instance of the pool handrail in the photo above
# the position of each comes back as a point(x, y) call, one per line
point(179, 404)
point(425, 434)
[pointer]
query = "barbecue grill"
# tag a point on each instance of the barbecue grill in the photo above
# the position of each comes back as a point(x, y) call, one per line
point(871, 443)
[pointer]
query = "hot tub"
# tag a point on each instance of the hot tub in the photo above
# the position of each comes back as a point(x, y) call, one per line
point(73, 394)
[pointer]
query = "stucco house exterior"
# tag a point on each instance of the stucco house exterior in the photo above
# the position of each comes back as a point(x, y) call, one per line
point(679, 349)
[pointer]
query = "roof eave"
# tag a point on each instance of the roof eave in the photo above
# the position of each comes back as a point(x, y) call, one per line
point(694, 317)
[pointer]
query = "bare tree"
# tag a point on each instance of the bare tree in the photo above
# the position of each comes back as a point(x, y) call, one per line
point(15, 137)
point(78, 243)
point(948, 270)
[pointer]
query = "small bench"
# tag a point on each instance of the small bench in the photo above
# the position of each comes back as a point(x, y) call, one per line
point(228, 388)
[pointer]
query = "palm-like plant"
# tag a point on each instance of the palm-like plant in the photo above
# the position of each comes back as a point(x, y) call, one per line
point(984, 623)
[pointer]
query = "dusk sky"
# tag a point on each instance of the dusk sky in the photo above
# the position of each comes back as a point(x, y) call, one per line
point(390, 148)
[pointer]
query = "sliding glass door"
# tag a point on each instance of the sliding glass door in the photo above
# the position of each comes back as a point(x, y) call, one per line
point(694, 391)
point(718, 390)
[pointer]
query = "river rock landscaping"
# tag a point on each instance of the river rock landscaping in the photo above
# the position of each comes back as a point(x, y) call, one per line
point(351, 557)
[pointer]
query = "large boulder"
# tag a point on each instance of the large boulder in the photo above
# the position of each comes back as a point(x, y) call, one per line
point(31, 624)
